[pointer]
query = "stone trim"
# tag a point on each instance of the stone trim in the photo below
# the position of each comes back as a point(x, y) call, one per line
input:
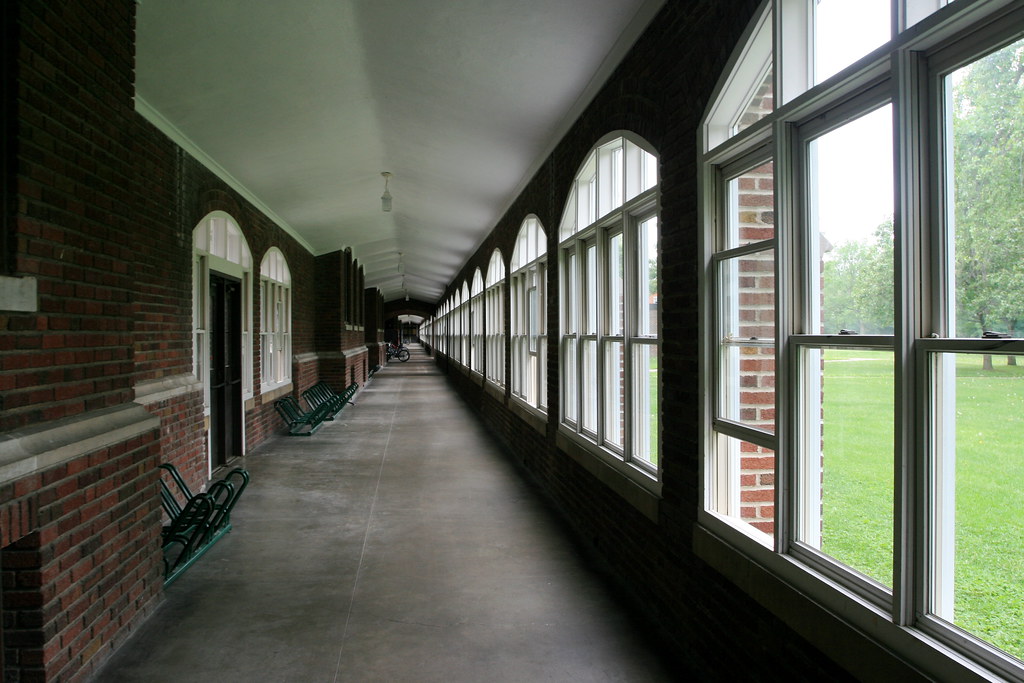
point(32, 449)
point(155, 391)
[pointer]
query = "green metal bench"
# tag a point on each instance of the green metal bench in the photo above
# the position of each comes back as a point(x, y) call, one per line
point(321, 394)
point(300, 422)
point(198, 523)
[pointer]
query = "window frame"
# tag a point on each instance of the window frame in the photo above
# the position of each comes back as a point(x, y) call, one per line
point(275, 286)
point(476, 324)
point(494, 329)
point(597, 414)
point(528, 317)
point(926, 43)
point(219, 246)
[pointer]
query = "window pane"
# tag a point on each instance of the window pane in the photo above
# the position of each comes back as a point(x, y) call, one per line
point(746, 319)
point(846, 469)
point(571, 288)
point(752, 207)
point(851, 183)
point(590, 290)
point(645, 402)
point(987, 100)
point(614, 393)
point(760, 105)
point(541, 399)
point(570, 399)
point(588, 386)
point(616, 317)
point(845, 31)
point(647, 255)
point(979, 474)
point(742, 485)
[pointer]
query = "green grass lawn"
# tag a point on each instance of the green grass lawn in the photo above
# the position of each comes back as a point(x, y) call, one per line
point(858, 483)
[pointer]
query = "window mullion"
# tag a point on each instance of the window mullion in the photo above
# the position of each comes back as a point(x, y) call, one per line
point(787, 294)
point(912, 322)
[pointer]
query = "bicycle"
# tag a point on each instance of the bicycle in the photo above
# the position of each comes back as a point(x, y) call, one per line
point(397, 351)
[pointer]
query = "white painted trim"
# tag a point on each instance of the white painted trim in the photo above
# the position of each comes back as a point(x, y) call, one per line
point(147, 112)
point(147, 393)
point(29, 450)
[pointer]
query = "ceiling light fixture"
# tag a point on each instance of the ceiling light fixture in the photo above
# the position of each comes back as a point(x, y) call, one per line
point(385, 199)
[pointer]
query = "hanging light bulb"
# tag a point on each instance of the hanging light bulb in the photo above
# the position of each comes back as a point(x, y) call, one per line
point(385, 199)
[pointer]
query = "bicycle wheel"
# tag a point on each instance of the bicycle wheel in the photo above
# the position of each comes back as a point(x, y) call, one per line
point(403, 355)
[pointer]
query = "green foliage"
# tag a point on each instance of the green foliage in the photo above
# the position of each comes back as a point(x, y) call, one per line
point(988, 197)
point(988, 153)
point(858, 483)
point(857, 283)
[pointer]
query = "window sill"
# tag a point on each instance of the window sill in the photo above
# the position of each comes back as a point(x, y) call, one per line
point(631, 484)
point(496, 391)
point(530, 415)
point(839, 623)
point(272, 392)
point(29, 450)
point(165, 389)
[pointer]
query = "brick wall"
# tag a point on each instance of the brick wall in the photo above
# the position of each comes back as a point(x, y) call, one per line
point(86, 565)
point(71, 228)
point(99, 209)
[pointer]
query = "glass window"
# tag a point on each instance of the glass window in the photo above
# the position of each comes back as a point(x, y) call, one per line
point(275, 320)
point(845, 31)
point(609, 307)
point(529, 328)
point(476, 323)
point(494, 305)
point(862, 247)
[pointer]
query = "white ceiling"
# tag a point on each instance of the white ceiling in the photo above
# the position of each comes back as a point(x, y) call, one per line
point(300, 105)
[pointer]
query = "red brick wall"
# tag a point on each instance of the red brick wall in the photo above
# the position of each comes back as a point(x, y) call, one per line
point(90, 566)
point(101, 213)
point(72, 229)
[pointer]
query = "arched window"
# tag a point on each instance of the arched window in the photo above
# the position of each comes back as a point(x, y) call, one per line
point(476, 323)
point(858, 270)
point(465, 327)
point(495, 328)
point(609, 306)
point(455, 316)
point(529, 326)
point(275, 320)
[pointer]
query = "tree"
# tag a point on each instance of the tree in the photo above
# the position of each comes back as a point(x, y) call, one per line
point(988, 177)
point(857, 283)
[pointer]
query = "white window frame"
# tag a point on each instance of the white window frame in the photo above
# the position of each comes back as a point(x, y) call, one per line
point(466, 328)
point(275, 321)
point(615, 190)
point(476, 323)
point(219, 246)
point(494, 306)
point(528, 343)
point(928, 41)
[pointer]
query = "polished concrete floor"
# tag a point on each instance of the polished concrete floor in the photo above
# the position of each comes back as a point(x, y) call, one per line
point(396, 544)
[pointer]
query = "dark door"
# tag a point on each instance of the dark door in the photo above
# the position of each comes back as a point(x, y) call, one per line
point(225, 368)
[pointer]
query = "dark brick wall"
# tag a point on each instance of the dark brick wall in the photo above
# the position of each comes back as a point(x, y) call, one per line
point(72, 229)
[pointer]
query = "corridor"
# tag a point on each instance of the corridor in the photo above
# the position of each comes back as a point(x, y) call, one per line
point(396, 544)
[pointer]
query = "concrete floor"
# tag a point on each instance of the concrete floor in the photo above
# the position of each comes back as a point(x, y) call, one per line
point(396, 544)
